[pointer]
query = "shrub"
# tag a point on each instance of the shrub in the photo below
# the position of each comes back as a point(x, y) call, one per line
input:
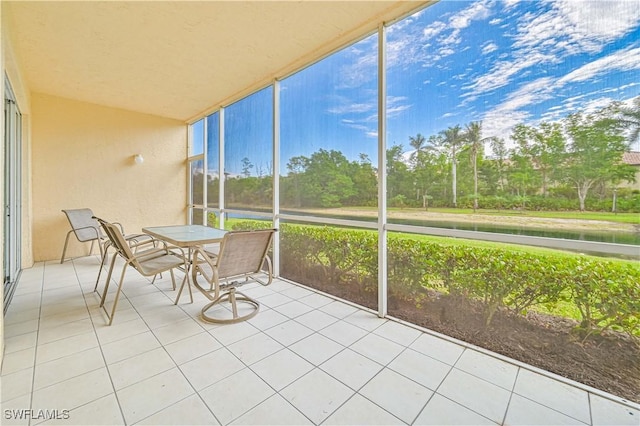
point(606, 293)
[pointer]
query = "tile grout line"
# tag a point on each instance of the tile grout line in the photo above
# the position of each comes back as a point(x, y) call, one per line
point(100, 345)
point(35, 355)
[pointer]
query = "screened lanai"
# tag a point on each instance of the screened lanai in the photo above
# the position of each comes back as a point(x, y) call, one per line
point(424, 165)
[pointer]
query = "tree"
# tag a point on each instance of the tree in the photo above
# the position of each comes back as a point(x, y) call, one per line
point(296, 167)
point(522, 172)
point(501, 153)
point(246, 167)
point(399, 179)
point(549, 150)
point(473, 137)
point(365, 182)
point(430, 170)
point(423, 161)
point(595, 151)
point(326, 180)
point(452, 139)
point(630, 119)
point(417, 142)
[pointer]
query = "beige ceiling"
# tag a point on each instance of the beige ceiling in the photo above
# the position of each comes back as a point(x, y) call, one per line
point(179, 59)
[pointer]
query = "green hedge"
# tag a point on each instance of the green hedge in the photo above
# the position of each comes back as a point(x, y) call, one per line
point(605, 293)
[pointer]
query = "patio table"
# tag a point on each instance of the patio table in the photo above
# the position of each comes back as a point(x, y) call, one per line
point(186, 236)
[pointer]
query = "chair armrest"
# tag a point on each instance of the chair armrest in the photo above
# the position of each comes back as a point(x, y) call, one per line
point(158, 251)
point(137, 244)
point(75, 230)
point(119, 226)
point(205, 255)
point(137, 238)
point(150, 254)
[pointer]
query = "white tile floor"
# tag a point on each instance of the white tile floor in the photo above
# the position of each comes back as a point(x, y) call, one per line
point(304, 359)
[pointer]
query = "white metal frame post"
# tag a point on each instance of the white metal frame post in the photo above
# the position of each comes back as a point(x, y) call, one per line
point(276, 176)
point(221, 175)
point(205, 171)
point(382, 174)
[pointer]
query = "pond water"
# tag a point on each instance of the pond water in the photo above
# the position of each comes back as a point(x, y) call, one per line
point(599, 236)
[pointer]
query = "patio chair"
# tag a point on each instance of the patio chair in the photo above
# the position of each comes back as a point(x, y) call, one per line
point(151, 257)
point(86, 228)
point(240, 259)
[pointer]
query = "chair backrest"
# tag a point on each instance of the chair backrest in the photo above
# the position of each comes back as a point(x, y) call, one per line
point(243, 252)
point(117, 239)
point(83, 224)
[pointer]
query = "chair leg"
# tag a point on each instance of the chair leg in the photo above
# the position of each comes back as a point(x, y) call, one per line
point(64, 250)
point(173, 279)
point(106, 286)
point(115, 302)
point(102, 262)
point(104, 251)
point(189, 287)
point(184, 280)
point(232, 297)
point(234, 304)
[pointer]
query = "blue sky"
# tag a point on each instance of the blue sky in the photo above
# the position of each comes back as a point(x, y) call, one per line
point(502, 62)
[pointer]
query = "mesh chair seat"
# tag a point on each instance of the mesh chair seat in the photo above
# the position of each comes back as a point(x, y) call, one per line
point(86, 228)
point(148, 262)
point(240, 259)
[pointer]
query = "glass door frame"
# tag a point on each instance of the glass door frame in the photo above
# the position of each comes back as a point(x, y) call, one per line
point(12, 222)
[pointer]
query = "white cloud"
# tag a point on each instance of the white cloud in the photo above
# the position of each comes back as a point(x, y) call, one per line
point(603, 21)
point(446, 51)
point(353, 125)
point(477, 11)
point(622, 60)
point(595, 104)
point(396, 105)
point(433, 29)
point(626, 86)
point(489, 47)
point(578, 26)
point(510, 3)
point(437, 40)
point(396, 111)
point(364, 68)
point(365, 129)
point(563, 28)
point(352, 108)
point(499, 122)
point(502, 73)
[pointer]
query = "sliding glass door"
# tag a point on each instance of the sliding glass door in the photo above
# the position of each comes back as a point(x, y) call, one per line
point(12, 194)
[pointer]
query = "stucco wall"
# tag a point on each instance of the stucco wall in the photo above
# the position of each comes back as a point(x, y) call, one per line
point(82, 156)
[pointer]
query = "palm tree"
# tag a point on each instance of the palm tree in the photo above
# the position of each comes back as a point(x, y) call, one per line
point(417, 142)
point(631, 119)
point(473, 136)
point(422, 161)
point(452, 139)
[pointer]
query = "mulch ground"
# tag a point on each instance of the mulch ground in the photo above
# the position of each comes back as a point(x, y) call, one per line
point(608, 362)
